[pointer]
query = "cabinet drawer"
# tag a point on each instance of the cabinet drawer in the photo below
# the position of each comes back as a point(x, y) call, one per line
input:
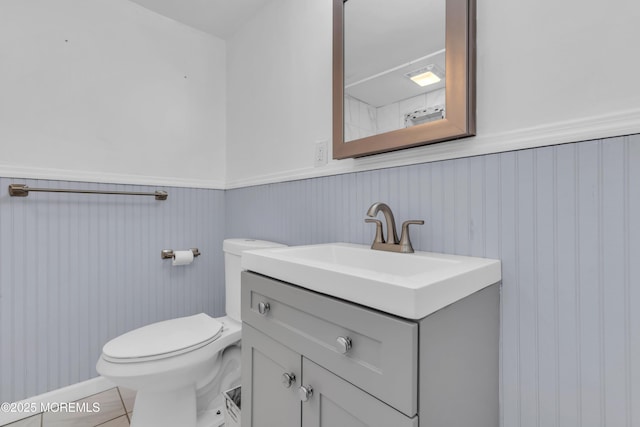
point(382, 360)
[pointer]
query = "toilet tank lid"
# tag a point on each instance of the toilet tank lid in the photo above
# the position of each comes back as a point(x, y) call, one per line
point(237, 246)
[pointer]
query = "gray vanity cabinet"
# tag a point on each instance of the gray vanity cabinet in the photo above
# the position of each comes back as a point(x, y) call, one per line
point(311, 360)
point(337, 403)
point(273, 376)
point(266, 400)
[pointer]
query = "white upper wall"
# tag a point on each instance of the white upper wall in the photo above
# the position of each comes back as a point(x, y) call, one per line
point(96, 90)
point(548, 72)
point(105, 90)
point(279, 86)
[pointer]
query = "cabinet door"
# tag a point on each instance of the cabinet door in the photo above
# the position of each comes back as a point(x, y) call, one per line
point(267, 400)
point(336, 402)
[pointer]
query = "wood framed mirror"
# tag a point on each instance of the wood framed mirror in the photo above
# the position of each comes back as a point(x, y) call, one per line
point(452, 120)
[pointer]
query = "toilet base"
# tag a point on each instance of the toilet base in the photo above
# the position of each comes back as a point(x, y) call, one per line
point(198, 376)
point(212, 417)
point(165, 409)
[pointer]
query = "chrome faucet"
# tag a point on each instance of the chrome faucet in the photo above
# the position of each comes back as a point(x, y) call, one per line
point(393, 245)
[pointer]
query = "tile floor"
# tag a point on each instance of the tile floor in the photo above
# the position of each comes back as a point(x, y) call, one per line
point(115, 406)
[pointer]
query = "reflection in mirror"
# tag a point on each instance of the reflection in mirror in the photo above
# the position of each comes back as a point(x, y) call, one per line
point(378, 46)
point(394, 65)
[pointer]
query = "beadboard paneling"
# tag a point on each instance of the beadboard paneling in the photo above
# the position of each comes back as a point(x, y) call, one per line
point(564, 220)
point(77, 270)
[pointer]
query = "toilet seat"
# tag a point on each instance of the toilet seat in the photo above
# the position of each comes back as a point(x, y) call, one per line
point(164, 339)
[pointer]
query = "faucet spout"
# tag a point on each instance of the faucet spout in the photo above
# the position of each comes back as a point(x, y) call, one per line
point(392, 235)
point(392, 244)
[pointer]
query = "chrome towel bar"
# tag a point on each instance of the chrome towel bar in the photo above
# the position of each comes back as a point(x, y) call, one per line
point(22, 190)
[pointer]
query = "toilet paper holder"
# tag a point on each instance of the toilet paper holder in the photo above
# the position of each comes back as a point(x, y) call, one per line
point(168, 253)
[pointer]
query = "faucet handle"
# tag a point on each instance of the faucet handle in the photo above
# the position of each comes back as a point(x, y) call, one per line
point(379, 234)
point(405, 241)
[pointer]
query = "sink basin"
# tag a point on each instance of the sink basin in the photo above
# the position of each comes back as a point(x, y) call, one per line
point(407, 285)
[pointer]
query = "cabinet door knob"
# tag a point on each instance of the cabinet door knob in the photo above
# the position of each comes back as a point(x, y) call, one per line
point(305, 393)
point(288, 379)
point(263, 308)
point(343, 344)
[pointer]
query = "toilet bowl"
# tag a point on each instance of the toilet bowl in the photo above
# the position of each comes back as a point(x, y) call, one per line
point(180, 366)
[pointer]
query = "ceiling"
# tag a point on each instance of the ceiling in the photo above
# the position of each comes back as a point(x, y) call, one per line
point(220, 18)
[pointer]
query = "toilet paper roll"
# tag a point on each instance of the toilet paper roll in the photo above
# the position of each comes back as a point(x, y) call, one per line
point(182, 257)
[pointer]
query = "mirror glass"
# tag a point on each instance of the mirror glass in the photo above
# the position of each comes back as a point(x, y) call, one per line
point(394, 65)
point(380, 48)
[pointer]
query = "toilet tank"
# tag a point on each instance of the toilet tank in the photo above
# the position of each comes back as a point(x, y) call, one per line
point(233, 249)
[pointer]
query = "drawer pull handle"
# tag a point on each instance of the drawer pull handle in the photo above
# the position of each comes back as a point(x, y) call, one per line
point(263, 308)
point(305, 393)
point(343, 345)
point(288, 379)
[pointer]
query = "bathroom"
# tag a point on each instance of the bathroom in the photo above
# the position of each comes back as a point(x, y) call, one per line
point(109, 95)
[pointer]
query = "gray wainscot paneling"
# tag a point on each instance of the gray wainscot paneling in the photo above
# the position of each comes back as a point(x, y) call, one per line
point(77, 270)
point(564, 220)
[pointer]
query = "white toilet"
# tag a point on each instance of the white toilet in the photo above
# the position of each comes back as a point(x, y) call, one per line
point(179, 367)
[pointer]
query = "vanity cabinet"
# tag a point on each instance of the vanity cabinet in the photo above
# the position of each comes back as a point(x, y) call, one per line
point(265, 362)
point(289, 390)
point(312, 360)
